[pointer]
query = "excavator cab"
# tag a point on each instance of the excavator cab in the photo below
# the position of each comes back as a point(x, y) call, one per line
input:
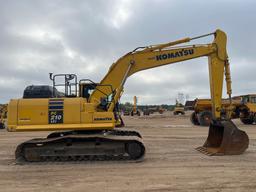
point(86, 88)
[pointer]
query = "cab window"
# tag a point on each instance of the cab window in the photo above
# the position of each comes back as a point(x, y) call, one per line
point(253, 99)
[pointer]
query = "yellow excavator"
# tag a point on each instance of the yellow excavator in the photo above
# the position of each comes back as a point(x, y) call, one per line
point(85, 119)
point(135, 110)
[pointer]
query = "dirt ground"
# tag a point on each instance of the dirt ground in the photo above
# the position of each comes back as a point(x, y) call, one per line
point(170, 164)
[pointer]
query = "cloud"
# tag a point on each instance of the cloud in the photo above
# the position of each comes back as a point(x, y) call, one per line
point(86, 37)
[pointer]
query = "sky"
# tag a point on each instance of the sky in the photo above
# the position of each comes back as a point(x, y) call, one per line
point(85, 37)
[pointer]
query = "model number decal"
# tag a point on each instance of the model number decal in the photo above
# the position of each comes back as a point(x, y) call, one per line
point(55, 111)
point(55, 117)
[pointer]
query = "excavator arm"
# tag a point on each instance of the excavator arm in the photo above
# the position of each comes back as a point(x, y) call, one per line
point(169, 53)
point(223, 137)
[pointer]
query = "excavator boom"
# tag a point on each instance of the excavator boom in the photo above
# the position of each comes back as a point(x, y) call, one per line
point(169, 53)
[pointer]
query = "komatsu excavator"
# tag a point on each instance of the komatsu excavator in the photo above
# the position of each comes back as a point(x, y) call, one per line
point(85, 123)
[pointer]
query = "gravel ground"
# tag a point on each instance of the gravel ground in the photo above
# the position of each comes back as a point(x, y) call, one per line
point(170, 164)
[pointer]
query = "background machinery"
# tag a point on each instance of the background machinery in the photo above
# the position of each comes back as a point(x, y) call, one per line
point(243, 107)
point(202, 111)
point(178, 109)
point(135, 110)
point(247, 109)
point(85, 119)
point(130, 109)
point(147, 110)
point(3, 115)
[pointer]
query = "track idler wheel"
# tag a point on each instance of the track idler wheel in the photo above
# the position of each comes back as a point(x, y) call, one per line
point(224, 138)
point(135, 150)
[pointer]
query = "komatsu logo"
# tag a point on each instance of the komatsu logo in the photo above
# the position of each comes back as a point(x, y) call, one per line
point(175, 54)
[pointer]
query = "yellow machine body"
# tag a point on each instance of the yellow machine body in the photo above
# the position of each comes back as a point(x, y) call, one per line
point(56, 114)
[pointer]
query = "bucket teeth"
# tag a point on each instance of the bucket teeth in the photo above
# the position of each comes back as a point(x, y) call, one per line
point(205, 151)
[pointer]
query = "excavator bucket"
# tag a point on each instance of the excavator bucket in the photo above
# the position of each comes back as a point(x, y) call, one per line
point(224, 138)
